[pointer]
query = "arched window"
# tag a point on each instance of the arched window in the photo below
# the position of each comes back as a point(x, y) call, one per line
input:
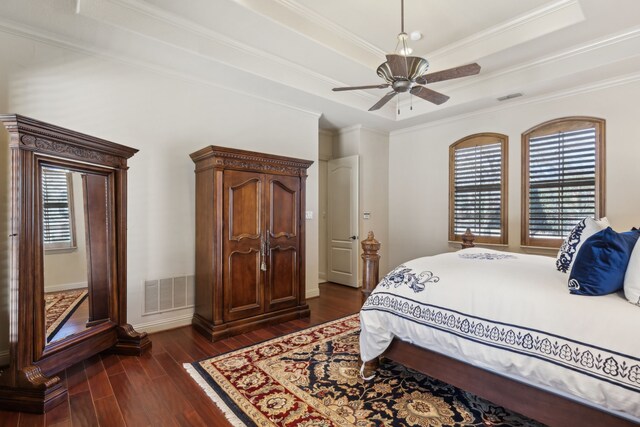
point(562, 178)
point(478, 187)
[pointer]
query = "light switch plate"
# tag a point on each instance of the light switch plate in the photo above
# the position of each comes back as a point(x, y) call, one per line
point(308, 215)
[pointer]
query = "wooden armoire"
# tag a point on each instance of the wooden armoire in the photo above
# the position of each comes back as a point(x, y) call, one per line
point(250, 240)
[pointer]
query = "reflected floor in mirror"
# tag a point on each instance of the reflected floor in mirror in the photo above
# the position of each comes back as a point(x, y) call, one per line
point(66, 313)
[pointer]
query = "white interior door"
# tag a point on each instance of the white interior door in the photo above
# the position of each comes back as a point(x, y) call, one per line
point(342, 207)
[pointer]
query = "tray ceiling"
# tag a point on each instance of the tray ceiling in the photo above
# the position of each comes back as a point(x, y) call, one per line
point(294, 51)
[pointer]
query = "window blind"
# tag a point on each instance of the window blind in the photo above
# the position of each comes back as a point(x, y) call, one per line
point(55, 206)
point(477, 189)
point(562, 181)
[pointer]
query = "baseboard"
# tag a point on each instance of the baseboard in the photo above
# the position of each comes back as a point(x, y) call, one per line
point(4, 358)
point(164, 324)
point(312, 293)
point(66, 287)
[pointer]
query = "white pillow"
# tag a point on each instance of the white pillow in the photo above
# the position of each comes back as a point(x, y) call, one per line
point(632, 277)
point(581, 232)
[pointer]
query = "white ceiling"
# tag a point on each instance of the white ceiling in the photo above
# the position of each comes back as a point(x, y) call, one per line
point(294, 51)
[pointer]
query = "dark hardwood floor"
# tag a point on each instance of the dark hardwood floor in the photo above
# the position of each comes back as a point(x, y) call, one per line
point(155, 390)
point(76, 323)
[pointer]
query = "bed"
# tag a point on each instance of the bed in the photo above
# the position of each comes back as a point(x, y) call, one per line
point(504, 326)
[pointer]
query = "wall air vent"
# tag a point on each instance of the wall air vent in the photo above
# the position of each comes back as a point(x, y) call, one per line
point(168, 294)
point(510, 96)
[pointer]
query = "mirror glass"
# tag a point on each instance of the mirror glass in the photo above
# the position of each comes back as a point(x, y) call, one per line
point(69, 208)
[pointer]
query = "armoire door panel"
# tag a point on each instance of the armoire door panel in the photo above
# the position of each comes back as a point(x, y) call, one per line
point(283, 277)
point(244, 198)
point(283, 206)
point(242, 243)
point(244, 281)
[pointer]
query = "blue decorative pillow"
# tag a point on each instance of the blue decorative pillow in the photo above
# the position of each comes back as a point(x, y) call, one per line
point(580, 233)
point(601, 263)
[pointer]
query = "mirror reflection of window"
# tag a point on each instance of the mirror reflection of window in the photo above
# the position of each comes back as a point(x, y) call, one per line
point(58, 212)
point(65, 261)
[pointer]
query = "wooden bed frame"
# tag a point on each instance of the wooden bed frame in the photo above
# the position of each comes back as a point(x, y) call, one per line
point(541, 405)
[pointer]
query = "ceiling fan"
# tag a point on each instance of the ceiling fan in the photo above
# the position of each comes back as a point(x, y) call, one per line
point(404, 73)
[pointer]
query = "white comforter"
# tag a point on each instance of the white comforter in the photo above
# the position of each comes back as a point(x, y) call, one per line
point(511, 314)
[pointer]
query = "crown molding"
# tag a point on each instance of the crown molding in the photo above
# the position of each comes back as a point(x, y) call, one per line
point(530, 17)
point(626, 42)
point(526, 27)
point(140, 16)
point(326, 30)
point(73, 45)
point(592, 87)
point(349, 129)
point(375, 131)
point(609, 40)
point(326, 132)
point(98, 10)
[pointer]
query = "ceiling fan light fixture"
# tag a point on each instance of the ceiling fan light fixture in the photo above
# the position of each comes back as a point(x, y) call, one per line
point(404, 73)
point(415, 35)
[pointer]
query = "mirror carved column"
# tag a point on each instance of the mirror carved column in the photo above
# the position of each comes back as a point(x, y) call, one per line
point(30, 382)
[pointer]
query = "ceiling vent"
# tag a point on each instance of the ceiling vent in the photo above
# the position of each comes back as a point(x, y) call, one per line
point(510, 96)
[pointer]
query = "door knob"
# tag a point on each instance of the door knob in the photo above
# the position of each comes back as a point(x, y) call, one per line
point(353, 237)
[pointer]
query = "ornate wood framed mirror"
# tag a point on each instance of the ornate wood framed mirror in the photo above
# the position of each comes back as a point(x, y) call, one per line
point(67, 290)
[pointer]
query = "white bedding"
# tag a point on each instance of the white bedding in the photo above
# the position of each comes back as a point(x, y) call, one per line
point(512, 314)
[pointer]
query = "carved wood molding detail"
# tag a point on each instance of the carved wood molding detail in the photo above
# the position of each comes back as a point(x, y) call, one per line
point(223, 157)
point(71, 150)
point(34, 375)
point(243, 164)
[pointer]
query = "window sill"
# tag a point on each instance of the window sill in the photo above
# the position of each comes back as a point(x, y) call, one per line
point(497, 245)
point(60, 250)
point(543, 250)
point(540, 248)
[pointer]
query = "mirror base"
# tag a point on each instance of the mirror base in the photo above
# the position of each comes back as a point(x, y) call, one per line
point(34, 392)
point(130, 342)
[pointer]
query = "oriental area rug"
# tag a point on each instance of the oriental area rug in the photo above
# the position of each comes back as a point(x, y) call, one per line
point(311, 378)
point(59, 306)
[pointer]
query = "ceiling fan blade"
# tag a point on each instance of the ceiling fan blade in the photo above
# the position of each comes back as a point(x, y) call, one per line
point(429, 95)
point(397, 65)
point(383, 101)
point(380, 86)
point(451, 73)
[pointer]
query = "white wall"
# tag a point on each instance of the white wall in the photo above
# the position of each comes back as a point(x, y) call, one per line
point(374, 190)
point(372, 147)
point(418, 165)
point(325, 153)
point(166, 118)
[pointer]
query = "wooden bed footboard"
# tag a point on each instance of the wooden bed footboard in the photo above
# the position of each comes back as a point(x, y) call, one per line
point(544, 406)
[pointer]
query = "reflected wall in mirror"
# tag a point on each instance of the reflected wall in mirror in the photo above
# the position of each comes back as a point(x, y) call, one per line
point(66, 276)
point(65, 253)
